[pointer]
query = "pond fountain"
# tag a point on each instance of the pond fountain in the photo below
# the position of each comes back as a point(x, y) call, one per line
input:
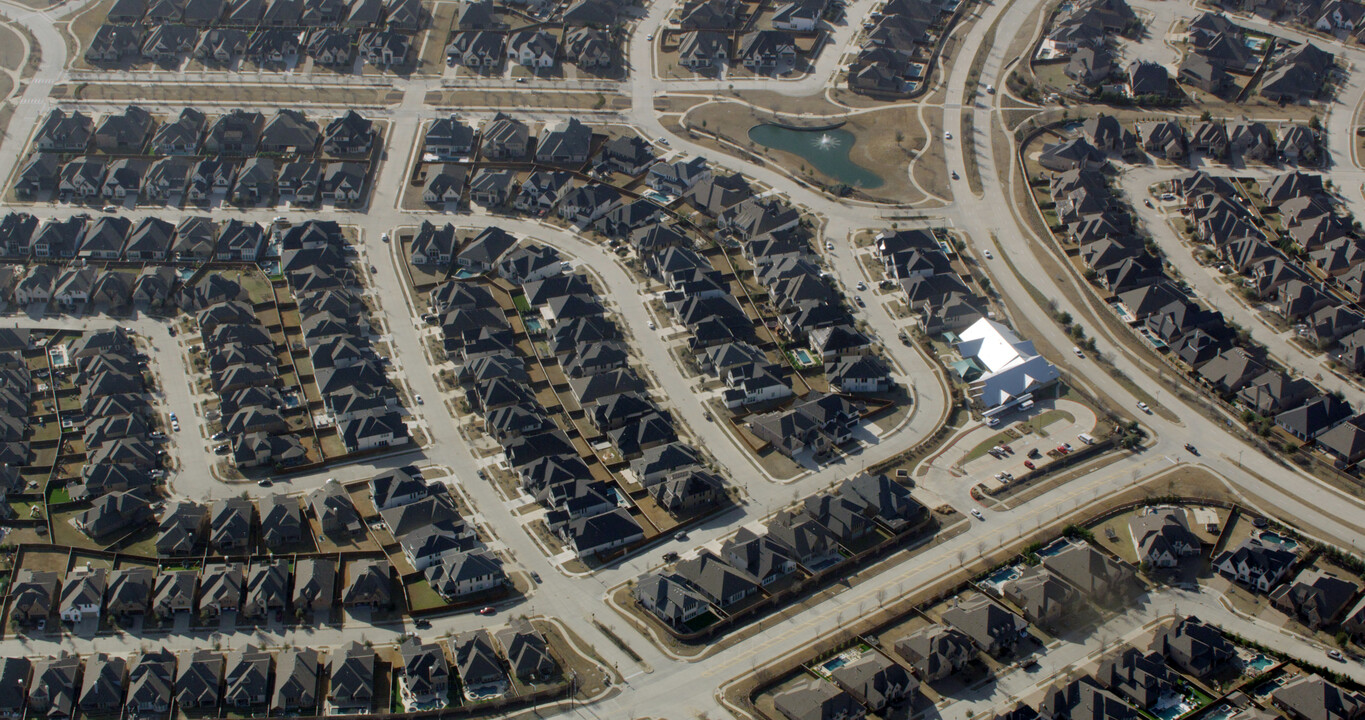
point(826, 150)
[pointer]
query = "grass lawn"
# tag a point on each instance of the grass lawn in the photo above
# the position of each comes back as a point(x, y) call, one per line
point(65, 533)
point(46, 432)
point(521, 303)
point(46, 560)
point(421, 596)
point(1039, 424)
point(146, 547)
point(701, 621)
point(332, 446)
point(58, 495)
point(256, 285)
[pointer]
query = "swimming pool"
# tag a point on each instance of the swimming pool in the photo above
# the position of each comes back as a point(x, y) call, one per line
point(1222, 712)
point(803, 357)
point(1259, 664)
point(1278, 539)
point(463, 274)
point(1170, 707)
point(1267, 687)
point(835, 664)
point(995, 582)
point(1054, 548)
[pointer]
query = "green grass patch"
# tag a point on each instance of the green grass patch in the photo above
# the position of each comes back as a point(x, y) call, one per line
point(421, 596)
point(521, 303)
point(1039, 423)
point(701, 621)
point(58, 495)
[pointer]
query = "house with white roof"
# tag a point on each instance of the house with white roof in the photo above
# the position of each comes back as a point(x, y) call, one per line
point(1002, 369)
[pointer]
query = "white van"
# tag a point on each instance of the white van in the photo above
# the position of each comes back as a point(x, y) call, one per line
point(1085, 438)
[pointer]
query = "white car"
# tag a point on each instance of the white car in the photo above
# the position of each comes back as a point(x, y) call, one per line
point(651, 325)
point(862, 285)
point(977, 514)
point(418, 398)
point(989, 256)
point(829, 246)
point(947, 135)
point(650, 38)
point(1143, 407)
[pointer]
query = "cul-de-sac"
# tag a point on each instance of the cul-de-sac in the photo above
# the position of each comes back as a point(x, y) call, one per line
point(682, 359)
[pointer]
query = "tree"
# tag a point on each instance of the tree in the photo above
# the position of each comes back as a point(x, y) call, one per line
point(1206, 116)
point(1315, 124)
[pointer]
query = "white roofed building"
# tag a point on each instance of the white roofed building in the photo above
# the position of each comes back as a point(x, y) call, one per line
point(1002, 369)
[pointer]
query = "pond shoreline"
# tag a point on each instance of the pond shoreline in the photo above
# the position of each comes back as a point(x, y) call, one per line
point(827, 149)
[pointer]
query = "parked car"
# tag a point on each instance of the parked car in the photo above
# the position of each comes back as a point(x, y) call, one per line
point(1029, 464)
point(488, 610)
point(977, 514)
point(1143, 407)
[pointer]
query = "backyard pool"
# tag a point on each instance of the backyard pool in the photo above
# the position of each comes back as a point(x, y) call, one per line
point(1267, 687)
point(829, 666)
point(1056, 547)
point(995, 582)
point(1277, 539)
point(826, 150)
point(1222, 712)
point(533, 326)
point(463, 274)
point(803, 357)
point(1259, 664)
point(1170, 707)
